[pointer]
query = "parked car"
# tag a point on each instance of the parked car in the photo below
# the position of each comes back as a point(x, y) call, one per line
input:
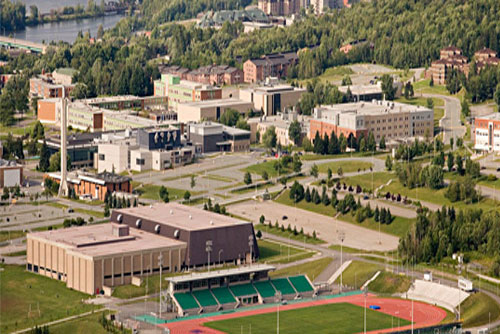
point(284, 217)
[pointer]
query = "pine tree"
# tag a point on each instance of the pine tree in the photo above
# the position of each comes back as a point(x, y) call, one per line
point(376, 216)
point(308, 195)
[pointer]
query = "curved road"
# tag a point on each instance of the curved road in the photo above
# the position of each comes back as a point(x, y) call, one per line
point(450, 123)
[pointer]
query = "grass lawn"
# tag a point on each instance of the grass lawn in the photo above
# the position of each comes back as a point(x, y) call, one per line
point(98, 214)
point(422, 86)
point(220, 178)
point(9, 235)
point(150, 285)
point(315, 157)
point(151, 191)
point(398, 227)
point(421, 101)
point(312, 269)
point(482, 180)
point(347, 166)
point(437, 197)
point(20, 289)
point(268, 167)
point(390, 283)
point(358, 273)
point(285, 234)
point(365, 180)
point(477, 308)
point(19, 253)
point(343, 317)
point(273, 252)
point(84, 325)
point(252, 188)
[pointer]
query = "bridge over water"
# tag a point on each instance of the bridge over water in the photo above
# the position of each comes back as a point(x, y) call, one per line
point(8, 42)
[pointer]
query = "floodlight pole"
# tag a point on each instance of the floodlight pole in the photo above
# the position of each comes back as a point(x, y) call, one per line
point(208, 249)
point(250, 244)
point(341, 238)
point(160, 262)
point(364, 320)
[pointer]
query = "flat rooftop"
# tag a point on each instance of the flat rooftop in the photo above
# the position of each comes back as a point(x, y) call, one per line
point(220, 273)
point(490, 117)
point(98, 240)
point(275, 88)
point(371, 108)
point(181, 216)
point(361, 89)
point(217, 103)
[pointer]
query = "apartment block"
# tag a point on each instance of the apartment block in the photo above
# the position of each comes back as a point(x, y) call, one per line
point(271, 65)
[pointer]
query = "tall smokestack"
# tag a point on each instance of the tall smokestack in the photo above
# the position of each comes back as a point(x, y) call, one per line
point(63, 186)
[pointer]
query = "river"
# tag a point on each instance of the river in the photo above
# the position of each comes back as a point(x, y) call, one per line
point(64, 30)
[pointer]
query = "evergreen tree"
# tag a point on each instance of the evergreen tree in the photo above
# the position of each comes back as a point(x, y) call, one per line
point(308, 195)
point(44, 162)
point(247, 179)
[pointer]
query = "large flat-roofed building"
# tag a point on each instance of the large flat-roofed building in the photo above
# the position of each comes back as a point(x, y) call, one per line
point(387, 119)
point(180, 91)
point(95, 257)
point(49, 110)
point(486, 133)
point(11, 174)
point(231, 240)
point(363, 92)
point(45, 86)
point(210, 110)
point(271, 65)
point(271, 99)
point(120, 120)
point(215, 137)
point(281, 124)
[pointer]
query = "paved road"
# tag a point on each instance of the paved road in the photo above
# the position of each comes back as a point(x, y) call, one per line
point(450, 123)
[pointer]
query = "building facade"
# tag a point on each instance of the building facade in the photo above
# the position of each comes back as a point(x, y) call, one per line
point(451, 58)
point(486, 133)
point(279, 7)
point(272, 65)
point(210, 110)
point(11, 174)
point(215, 137)
point(271, 99)
point(391, 120)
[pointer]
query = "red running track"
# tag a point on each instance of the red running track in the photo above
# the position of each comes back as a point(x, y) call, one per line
point(425, 314)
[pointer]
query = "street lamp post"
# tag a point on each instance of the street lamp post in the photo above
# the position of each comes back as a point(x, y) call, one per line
point(208, 249)
point(277, 297)
point(220, 251)
point(364, 320)
point(341, 238)
point(250, 244)
point(160, 263)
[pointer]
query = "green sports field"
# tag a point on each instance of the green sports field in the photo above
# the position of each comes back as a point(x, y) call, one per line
point(331, 318)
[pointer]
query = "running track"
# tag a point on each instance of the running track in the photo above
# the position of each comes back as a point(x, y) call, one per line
point(425, 314)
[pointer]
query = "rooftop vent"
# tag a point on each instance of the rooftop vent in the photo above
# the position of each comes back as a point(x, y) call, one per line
point(176, 234)
point(138, 223)
point(211, 222)
point(119, 218)
point(157, 228)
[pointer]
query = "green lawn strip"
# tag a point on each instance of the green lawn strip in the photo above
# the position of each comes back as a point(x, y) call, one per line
point(19, 253)
point(151, 191)
point(58, 205)
point(312, 269)
point(348, 166)
point(9, 235)
point(482, 180)
point(83, 325)
point(342, 317)
point(398, 227)
point(389, 283)
point(365, 180)
point(20, 289)
point(437, 197)
point(315, 157)
point(150, 284)
point(357, 273)
point(229, 186)
point(220, 178)
point(477, 308)
point(98, 214)
point(268, 167)
point(422, 86)
point(421, 101)
point(286, 234)
point(252, 188)
point(274, 252)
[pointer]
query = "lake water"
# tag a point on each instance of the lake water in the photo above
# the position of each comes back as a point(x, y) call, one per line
point(65, 30)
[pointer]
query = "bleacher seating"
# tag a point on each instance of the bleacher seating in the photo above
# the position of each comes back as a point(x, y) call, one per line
point(435, 293)
point(243, 290)
point(282, 284)
point(186, 300)
point(223, 295)
point(301, 284)
point(205, 298)
point(265, 289)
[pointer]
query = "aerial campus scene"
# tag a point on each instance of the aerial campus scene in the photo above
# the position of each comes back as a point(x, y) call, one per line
point(249, 166)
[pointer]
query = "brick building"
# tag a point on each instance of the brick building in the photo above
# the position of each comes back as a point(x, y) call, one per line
point(272, 65)
point(486, 57)
point(451, 58)
point(279, 7)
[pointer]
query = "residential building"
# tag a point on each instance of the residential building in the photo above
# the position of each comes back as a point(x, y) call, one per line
point(179, 91)
point(45, 86)
point(271, 65)
point(216, 75)
point(451, 58)
point(486, 57)
point(64, 76)
point(95, 186)
point(281, 124)
point(486, 133)
point(271, 99)
point(11, 174)
point(215, 137)
point(279, 7)
point(391, 120)
point(210, 110)
point(320, 6)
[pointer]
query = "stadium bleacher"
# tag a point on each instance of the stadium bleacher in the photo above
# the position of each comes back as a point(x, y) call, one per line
point(435, 293)
point(265, 289)
point(283, 285)
point(243, 290)
point(301, 284)
point(205, 298)
point(186, 300)
point(223, 295)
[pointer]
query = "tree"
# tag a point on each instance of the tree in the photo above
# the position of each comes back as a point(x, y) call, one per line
point(80, 91)
point(307, 195)
point(230, 117)
point(295, 132)
point(450, 161)
point(296, 192)
point(388, 163)
point(388, 88)
point(247, 178)
point(314, 171)
point(381, 145)
point(258, 234)
point(465, 109)
point(242, 124)
point(430, 103)
point(431, 82)
point(408, 90)
point(269, 137)
point(193, 181)
point(318, 144)
point(100, 32)
point(163, 192)
point(262, 219)
point(340, 172)
point(329, 173)
point(306, 145)
point(265, 176)
point(44, 163)
point(346, 81)
point(297, 164)
point(497, 97)
point(55, 162)
point(187, 195)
